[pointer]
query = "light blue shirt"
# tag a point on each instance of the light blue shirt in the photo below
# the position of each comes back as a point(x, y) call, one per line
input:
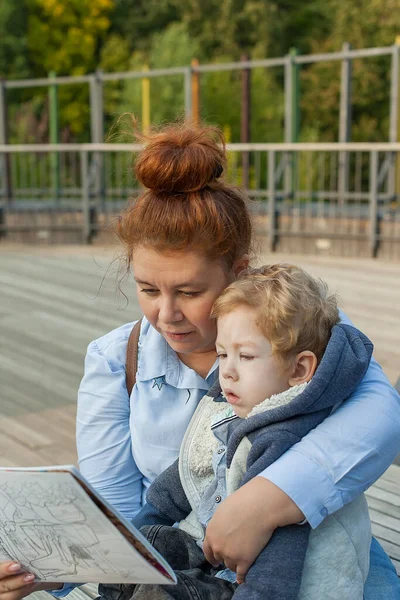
point(124, 443)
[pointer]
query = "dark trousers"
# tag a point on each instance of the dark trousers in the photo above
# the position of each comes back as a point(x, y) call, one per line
point(196, 577)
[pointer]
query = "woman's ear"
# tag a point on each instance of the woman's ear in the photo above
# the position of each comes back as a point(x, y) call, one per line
point(241, 264)
point(304, 367)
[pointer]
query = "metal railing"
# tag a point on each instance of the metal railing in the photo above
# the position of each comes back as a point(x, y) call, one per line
point(297, 189)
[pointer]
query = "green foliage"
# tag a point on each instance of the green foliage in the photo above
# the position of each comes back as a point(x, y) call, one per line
point(13, 40)
point(74, 37)
point(172, 47)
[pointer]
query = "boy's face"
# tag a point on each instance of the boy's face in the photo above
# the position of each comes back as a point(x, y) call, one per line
point(248, 373)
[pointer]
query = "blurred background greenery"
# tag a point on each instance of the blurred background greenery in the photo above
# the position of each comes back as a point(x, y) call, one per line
point(75, 37)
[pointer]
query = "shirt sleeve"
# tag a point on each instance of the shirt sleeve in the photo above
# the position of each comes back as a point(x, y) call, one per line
point(344, 455)
point(103, 430)
point(103, 434)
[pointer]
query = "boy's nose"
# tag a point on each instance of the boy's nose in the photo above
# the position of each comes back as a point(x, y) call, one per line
point(229, 371)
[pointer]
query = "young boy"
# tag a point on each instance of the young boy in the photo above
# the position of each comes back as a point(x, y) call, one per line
point(285, 363)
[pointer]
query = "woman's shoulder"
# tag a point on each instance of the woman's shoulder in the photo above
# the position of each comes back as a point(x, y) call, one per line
point(113, 338)
point(113, 344)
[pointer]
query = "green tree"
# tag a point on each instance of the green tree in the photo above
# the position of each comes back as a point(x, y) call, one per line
point(173, 47)
point(136, 21)
point(14, 63)
point(66, 36)
point(363, 24)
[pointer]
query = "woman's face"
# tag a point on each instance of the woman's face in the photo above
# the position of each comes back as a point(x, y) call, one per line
point(176, 290)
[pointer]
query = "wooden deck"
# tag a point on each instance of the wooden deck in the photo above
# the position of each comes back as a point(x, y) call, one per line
point(55, 300)
point(384, 508)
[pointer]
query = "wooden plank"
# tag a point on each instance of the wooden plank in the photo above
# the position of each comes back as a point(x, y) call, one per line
point(383, 507)
point(378, 494)
point(386, 521)
point(392, 474)
point(383, 533)
point(388, 485)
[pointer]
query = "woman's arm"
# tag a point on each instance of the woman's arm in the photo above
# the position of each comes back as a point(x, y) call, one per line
point(103, 431)
point(328, 468)
point(346, 453)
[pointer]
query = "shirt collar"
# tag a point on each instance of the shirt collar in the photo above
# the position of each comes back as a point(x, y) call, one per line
point(157, 359)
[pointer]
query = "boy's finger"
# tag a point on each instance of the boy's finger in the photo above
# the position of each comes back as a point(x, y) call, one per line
point(241, 572)
point(209, 554)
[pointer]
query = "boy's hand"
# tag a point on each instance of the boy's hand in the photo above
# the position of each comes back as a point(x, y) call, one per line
point(244, 523)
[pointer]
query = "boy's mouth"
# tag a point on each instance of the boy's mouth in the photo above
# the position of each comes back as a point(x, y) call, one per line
point(231, 397)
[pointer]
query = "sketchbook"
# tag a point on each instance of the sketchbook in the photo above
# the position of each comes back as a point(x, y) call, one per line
point(59, 528)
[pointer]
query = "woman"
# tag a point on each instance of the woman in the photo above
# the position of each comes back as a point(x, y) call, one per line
point(186, 238)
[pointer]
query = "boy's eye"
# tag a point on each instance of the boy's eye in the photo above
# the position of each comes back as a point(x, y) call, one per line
point(221, 355)
point(246, 357)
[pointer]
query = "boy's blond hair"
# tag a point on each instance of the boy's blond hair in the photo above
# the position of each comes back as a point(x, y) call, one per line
point(293, 310)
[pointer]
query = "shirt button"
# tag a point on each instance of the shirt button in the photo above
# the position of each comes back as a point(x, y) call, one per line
point(218, 498)
point(220, 451)
point(324, 512)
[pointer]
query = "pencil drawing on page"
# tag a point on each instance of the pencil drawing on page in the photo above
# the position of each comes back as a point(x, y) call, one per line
point(45, 524)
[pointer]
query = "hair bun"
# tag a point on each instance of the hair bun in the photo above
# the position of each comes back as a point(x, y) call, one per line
point(181, 159)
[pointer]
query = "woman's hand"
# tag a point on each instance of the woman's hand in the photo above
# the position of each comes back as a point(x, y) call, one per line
point(15, 583)
point(244, 523)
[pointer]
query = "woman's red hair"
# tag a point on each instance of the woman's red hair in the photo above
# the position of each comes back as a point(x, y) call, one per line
point(187, 205)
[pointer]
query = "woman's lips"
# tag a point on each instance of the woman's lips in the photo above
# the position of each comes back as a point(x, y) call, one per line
point(179, 337)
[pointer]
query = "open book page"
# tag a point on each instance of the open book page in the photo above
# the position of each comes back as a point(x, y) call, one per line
point(55, 525)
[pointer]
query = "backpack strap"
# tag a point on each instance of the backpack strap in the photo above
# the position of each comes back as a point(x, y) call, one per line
point(132, 352)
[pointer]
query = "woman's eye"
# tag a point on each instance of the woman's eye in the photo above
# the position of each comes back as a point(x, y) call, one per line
point(149, 291)
point(189, 294)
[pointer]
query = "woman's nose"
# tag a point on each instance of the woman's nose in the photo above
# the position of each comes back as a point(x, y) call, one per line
point(169, 311)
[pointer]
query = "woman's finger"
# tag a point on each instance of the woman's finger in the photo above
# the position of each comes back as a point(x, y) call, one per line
point(13, 583)
point(18, 593)
point(9, 568)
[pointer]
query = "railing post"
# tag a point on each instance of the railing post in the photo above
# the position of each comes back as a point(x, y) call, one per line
point(5, 158)
point(188, 93)
point(272, 230)
point(145, 102)
point(195, 92)
point(54, 136)
point(394, 126)
point(86, 225)
point(291, 117)
point(373, 202)
point(344, 124)
point(97, 130)
point(245, 119)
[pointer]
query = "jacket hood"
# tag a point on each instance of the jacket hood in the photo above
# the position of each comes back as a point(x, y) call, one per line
point(343, 365)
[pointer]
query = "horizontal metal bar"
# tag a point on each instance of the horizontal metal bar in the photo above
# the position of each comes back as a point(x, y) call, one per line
point(245, 64)
point(326, 57)
point(33, 228)
point(231, 66)
point(279, 147)
point(46, 81)
point(143, 74)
